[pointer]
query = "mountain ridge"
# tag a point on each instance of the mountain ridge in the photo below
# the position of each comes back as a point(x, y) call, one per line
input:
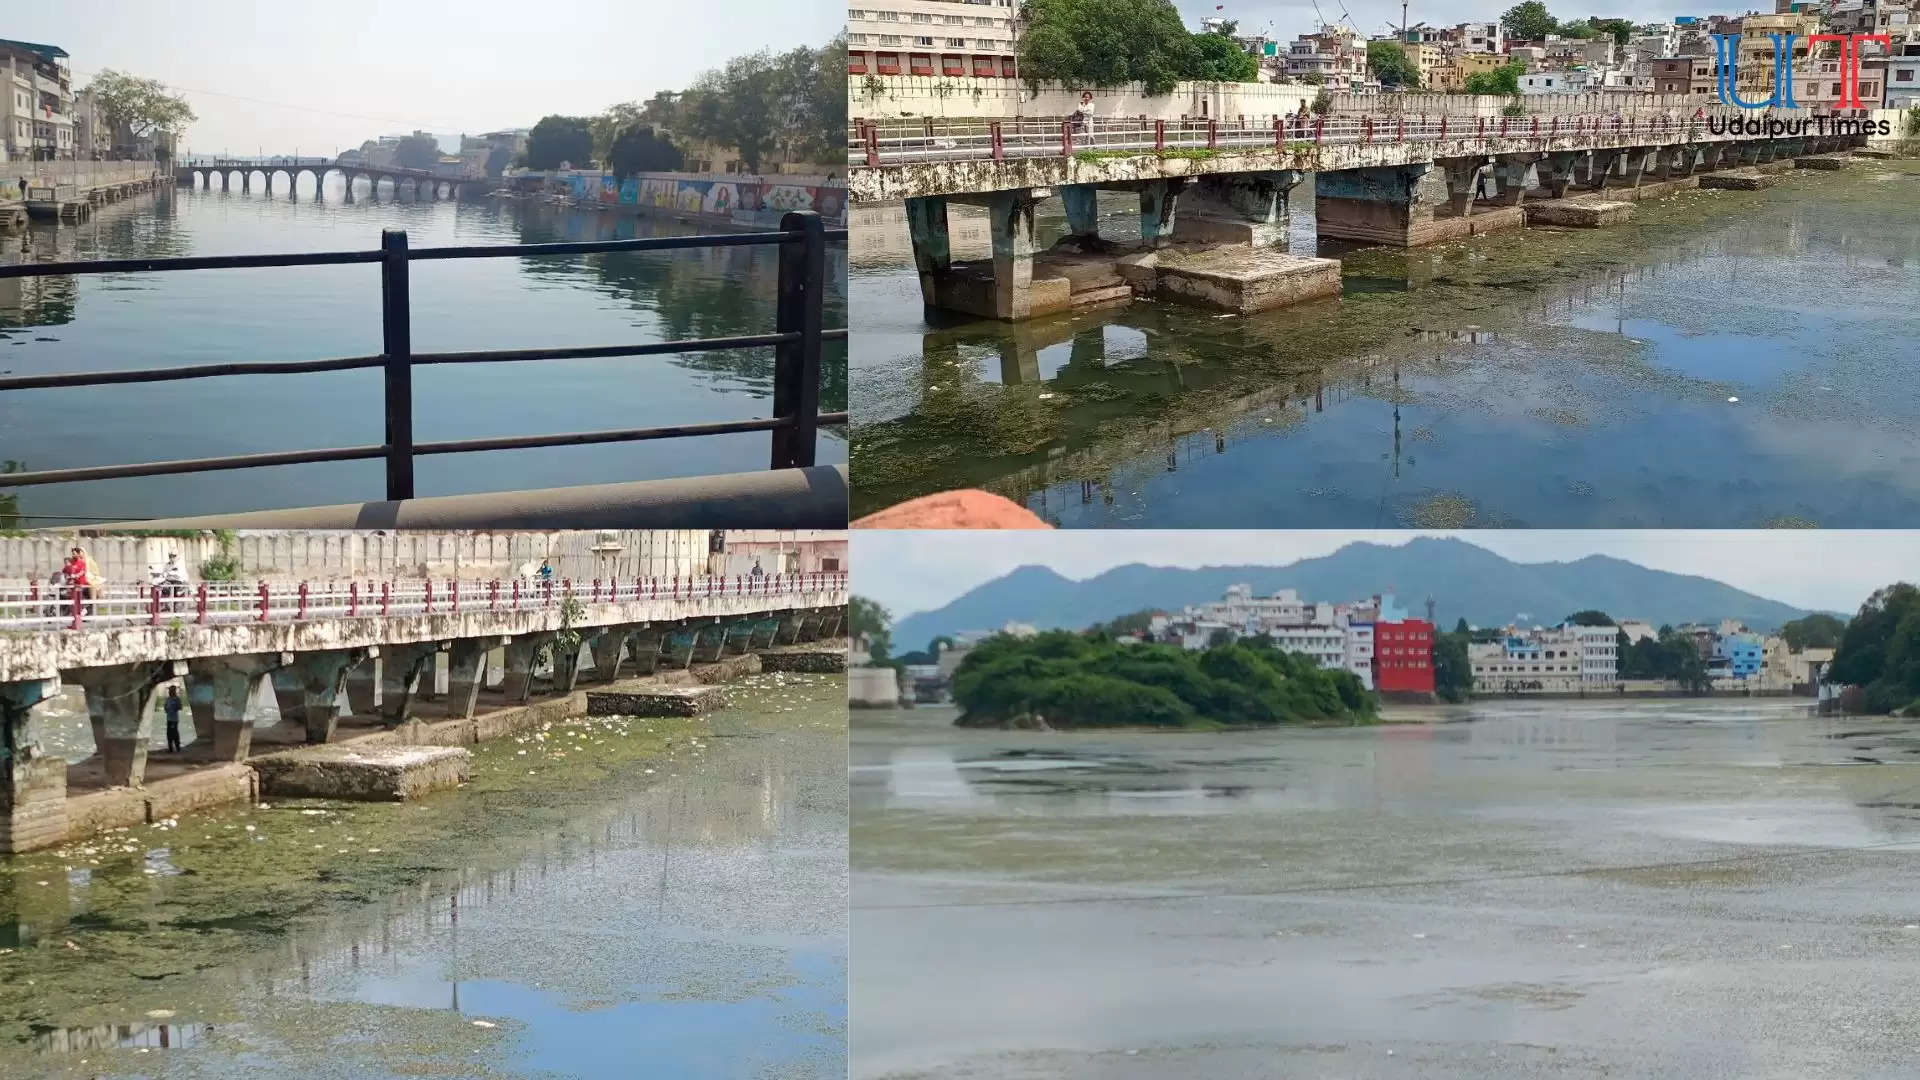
point(1465, 581)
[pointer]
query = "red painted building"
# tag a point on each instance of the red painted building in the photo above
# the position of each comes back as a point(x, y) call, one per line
point(1403, 657)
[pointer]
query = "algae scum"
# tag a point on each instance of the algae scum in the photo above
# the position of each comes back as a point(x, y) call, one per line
point(1730, 359)
point(598, 887)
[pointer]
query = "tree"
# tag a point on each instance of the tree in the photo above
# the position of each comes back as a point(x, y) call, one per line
point(609, 124)
point(1527, 21)
point(1219, 637)
point(868, 619)
point(1589, 618)
point(1313, 78)
point(1579, 29)
point(558, 141)
point(1503, 80)
point(142, 106)
point(1106, 43)
point(1452, 674)
point(735, 106)
point(1219, 58)
point(637, 149)
point(1389, 63)
point(1816, 631)
point(1621, 29)
point(417, 152)
point(1460, 626)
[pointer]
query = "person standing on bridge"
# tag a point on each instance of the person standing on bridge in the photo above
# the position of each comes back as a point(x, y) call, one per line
point(78, 580)
point(1083, 115)
point(173, 719)
point(546, 570)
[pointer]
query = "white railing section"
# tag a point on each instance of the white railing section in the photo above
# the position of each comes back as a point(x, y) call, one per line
point(889, 142)
point(59, 607)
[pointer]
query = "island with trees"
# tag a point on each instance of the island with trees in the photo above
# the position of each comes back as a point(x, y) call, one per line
point(1060, 679)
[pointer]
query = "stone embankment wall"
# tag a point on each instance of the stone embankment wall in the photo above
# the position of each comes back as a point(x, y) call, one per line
point(747, 201)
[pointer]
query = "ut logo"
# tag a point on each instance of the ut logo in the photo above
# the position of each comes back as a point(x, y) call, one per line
point(1726, 47)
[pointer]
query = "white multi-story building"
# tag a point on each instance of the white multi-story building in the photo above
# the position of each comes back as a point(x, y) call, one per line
point(1339, 637)
point(36, 101)
point(1337, 55)
point(974, 38)
point(1546, 660)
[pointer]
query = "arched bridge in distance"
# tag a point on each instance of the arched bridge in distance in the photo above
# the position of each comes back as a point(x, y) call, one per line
point(223, 174)
point(335, 656)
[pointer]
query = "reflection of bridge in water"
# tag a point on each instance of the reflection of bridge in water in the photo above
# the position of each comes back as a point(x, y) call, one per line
point(1207, 404)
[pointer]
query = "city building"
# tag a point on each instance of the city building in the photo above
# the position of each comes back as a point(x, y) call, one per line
point(37, 101)
point(1403, 657)
point(934, 37)
point(1336, 54)
point(92, 132)
point(1546, 660)
point(1903, 77)
point(1754, 59)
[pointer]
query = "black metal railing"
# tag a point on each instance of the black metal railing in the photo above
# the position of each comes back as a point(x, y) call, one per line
point(796, 341)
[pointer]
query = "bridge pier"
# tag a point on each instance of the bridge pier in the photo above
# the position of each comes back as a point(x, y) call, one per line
point(608, 649)
point(467, 673)
point(1399, 205)
point(1236, 208)
point(310, 688)
point(521, 652)
point(401, 667)
point(566, 662)
point(644, 646)
point(764, 631)
point(120, 700)
point(226, 694)
point(33, 786)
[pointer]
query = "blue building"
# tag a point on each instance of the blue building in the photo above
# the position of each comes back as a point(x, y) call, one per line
point(1742, 653)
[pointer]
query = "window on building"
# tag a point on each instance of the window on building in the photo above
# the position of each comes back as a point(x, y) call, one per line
point(1903, 76)
point(856, 39)
point(923, 41)
point(889, 39)
point(855, 14)
point(919, 18)
point(956, 43)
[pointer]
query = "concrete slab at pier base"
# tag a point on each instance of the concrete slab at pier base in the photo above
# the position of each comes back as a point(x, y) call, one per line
point(1868, 152)
point(804, 659)
point(640, 700)
point(1738, 181)
point(369, 773)
point(1822, 162)
point(1383, 223)
point(1578, 213)
point(971, 290)
point(1245, 280)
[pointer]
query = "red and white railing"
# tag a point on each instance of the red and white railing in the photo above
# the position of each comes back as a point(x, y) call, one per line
point(51, 607)
point(891, 142)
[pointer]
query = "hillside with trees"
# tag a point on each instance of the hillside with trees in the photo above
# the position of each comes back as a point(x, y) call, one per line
point(1087, 43)
point(1068, 680)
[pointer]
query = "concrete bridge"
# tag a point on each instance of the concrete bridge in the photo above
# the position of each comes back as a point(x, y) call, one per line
point(1387, 180)
point(319, 654)
point(219, 175)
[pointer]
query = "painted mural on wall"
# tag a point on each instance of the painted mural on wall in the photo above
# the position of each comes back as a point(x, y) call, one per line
point(748, 200)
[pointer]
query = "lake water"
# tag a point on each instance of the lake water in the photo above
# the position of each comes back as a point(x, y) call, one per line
point(1727, 359)
point(97, 322)
point(1508, 889)
point(612, 897)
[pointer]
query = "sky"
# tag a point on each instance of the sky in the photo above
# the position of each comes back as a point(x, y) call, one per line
point(1835, 570)
point(267, 77)
point(1288, 20)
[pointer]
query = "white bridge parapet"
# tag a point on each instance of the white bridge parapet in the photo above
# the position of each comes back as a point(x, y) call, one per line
point(140, 624)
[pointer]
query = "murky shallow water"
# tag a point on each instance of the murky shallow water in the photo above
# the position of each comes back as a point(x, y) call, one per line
point(1698, 888)
point(1538, 377)
point(620, 897)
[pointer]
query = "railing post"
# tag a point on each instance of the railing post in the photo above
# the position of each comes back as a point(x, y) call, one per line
point(873, 145)
point(263, 601)
point(453, 591)
point(429, 608)
point(1319, 127)
point(1443, 127)
point(1066, 140)
point(1213, 133)
point(78, 599)
point(800, 309)
point(386, 599)
point(153, 608)
point(200, 605)
point(397, 334)
point(1279, 134)
point(999, 145)
point(353, 599)
point(301, 614)
point(493, 594)
point(1159, 135)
